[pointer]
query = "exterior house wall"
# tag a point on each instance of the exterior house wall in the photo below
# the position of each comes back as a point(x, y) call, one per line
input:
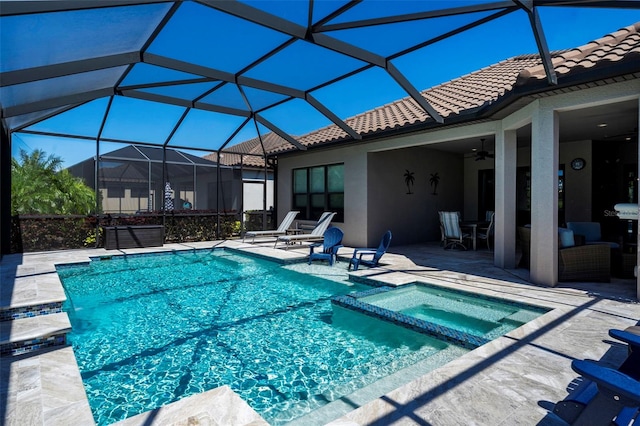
point(355, 187)
point(412, 218)
point(471, 169)
point(253, 194)
point(578, 184)
point(201, 198)
point(376, 196)
point(122, 201)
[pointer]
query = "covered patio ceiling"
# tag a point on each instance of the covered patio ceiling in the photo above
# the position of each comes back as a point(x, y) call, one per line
point(615, 123)
point(209, 74)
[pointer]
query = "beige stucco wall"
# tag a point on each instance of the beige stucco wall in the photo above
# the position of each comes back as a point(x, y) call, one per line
point(577, 183)
point(355, 187)
point(412, 218)
point(471, 168)
point(376, 196)
point(127, 204)
point(371, 209)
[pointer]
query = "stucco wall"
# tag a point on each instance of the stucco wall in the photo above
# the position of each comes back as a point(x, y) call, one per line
point(384, 203)
point(355, 184)
point(577, 183)
point(412, 218)
point(471, 168)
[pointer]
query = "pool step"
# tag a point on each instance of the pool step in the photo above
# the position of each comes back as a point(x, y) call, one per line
point(33, 334)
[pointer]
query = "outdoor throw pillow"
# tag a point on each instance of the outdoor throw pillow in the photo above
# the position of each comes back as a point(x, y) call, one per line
point(565, 238)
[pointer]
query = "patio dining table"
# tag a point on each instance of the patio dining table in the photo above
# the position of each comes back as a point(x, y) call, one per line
point(473, 226)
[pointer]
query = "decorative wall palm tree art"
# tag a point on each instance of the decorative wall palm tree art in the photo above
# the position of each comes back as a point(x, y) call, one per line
point(409, 180)
point(434, 181)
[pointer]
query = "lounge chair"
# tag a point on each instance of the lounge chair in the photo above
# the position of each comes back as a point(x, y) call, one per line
point(452, 234)
point(317, 234)
point(282, 229)
point(332, 242)
point(376, 254)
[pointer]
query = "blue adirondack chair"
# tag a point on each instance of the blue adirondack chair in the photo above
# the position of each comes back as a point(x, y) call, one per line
point(607, 396)
point(375, 254)
point(332, 242)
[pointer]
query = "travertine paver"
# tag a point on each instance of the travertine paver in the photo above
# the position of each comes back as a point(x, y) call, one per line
point(512, 380)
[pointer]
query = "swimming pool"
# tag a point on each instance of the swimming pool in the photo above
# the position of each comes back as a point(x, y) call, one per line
point(467, 313)
point(148, 330)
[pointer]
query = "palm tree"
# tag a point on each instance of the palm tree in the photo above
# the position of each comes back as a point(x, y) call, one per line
point(408, 180)
point(434, 181)
point(39, 187)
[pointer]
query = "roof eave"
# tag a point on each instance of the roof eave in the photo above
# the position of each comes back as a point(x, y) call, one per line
point(524, 87)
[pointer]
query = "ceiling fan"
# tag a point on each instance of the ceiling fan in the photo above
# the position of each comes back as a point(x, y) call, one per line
point(482, 154)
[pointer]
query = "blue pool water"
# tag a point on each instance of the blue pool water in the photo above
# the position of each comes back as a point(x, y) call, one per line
point(468, 313)
point(149, 330)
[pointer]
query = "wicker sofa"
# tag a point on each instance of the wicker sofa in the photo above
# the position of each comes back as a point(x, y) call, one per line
point(590, 262)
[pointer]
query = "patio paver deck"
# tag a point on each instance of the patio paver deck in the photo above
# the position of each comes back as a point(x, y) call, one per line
point(513, 380)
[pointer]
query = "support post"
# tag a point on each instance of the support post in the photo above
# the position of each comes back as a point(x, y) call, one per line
point(5, 190)
point(505, 202)
point(638, 227)
point(544, 196)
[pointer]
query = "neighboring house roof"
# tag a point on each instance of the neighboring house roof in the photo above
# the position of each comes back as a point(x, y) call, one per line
point(481, 93)
point(250, 153)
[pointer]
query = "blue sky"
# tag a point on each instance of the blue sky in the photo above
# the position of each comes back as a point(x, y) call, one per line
point(464, 53)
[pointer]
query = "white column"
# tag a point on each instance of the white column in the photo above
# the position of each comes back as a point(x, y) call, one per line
point(638, 237)
point(505, 207)
point(544, 196)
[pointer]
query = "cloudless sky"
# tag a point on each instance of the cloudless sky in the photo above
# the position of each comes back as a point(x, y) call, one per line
point(453, 57)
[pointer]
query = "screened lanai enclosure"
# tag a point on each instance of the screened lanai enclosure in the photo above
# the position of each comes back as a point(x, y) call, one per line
point(129, 96)
point(135, 180)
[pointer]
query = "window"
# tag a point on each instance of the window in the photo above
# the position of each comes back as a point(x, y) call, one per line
point(319, 189)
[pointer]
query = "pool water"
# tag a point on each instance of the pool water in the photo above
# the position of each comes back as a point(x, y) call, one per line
point(474, 314)
point(149, 330)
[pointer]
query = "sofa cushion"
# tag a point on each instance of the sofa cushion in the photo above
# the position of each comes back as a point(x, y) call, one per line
point(565, 238)
point(590, 230)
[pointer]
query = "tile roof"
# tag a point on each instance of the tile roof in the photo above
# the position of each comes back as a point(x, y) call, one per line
point(480, 91)
point(623, 44)
point(250, 152)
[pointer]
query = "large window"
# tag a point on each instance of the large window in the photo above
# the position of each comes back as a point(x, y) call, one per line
point(319, 189)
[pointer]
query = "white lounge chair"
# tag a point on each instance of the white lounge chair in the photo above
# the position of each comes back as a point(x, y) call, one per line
point(317, 234)
point(282, 229)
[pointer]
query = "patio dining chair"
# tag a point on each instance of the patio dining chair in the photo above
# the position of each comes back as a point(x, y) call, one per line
point(452, 234)
point(488, 214)
point(487, 233)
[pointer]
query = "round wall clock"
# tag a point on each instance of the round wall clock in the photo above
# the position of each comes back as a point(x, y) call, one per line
point(578, 163)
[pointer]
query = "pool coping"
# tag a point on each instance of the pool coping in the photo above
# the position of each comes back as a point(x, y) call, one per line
point(559, 300)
